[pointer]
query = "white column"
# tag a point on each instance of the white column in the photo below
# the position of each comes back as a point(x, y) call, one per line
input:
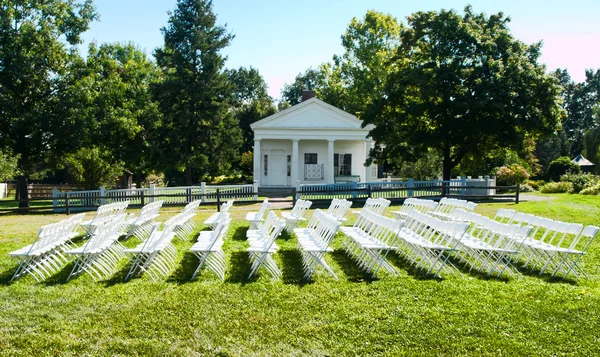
point(294, 172)
point(368, 169)
point(257, 156)
point(329, 165)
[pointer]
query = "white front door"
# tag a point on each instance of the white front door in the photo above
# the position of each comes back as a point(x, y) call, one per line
point(278, 174)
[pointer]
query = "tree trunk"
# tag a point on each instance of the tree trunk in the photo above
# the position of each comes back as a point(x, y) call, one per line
point(446, 169)
point(138, 179)
point(447, 164)
point(188, 176)
point(22, 192)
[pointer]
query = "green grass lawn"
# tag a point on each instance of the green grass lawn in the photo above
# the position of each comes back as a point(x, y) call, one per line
point(406, 315)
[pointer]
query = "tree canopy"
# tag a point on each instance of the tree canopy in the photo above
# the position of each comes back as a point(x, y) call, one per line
point(199, 131)
point(461, 85)
point(35, 49)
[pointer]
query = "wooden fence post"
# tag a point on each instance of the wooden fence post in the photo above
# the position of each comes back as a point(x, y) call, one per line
point(517, 195)
point(294, 195)
point(67, 205)
point(142, 197)
point(218, 200)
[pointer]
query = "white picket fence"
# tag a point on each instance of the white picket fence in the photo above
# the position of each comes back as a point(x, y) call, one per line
point(85, 200)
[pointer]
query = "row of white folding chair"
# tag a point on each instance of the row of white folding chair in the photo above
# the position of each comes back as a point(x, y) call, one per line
point(104, 213)
point(338, 208)
point(553, 244)
point(256, 218)
point(209, 247)
point(446, 205)
point(184, 225)
point(559, 256)
point(427, 242)
point(156, 255)
point(214, 218)
point(141, 225)
point(490, 245)
point(375, 205)
point(370, 239)
point(418, 204)
point(296, 214)
point(98, 256)
point(45, 256)
point(262, 246)
point(314, 241)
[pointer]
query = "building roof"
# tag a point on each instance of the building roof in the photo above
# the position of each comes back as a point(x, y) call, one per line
point(311, 114)
point(582, 161)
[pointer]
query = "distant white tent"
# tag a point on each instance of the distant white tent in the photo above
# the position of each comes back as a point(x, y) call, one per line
point(585, 164)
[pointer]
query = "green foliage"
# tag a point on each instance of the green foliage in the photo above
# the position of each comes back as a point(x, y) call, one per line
point(511, 175)
point(426, 167)
point(561, 166)
point(557, 187)
point(591, 190)
point(110, 104)
point(580, 180)
point(251, 102)
point(550, 148)
point(93, 167)
point(9, 167)
point(37, 44)
point(536, 184)
point(591, 145)
point(291, 94)
point(199, 129)
point(462, 85)
point(357, 76)
point(579, 100)
point(247, 162)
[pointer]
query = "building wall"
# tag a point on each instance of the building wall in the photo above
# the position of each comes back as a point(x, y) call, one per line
point(319, 147)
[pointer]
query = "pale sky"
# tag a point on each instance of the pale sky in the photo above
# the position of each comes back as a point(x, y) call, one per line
point(284, 38)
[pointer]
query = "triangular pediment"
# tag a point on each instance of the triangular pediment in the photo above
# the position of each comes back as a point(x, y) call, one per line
point(311, 114)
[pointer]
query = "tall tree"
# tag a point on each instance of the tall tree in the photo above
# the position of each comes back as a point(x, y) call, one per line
point(357, 77)
point(311, 79)
point(461, 85)
point(34, 52)
point(579, 100)
point(199, 129)
point(251, 101)
point(110, 105)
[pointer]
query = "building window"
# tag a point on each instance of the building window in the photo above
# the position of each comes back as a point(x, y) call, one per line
point(266, 165)
point(289, 165)
point(342, 164)
point(310, 159)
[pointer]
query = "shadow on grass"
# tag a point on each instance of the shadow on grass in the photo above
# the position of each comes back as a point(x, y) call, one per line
point(350, 267)
point(292, 272)
point(184, 271)
point(239, 234)
point(60, 278)
point(399, 262)
point(239, 268)
point(6, 275)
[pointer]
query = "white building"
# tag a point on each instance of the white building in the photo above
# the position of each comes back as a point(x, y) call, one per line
point(309, 143)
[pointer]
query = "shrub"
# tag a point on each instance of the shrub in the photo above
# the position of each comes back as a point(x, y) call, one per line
point(561, 166)
point(512, 174)
point(592, 190)
point(557, 187)
point(536, 184)
point(526, 188)
point(580, 180)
